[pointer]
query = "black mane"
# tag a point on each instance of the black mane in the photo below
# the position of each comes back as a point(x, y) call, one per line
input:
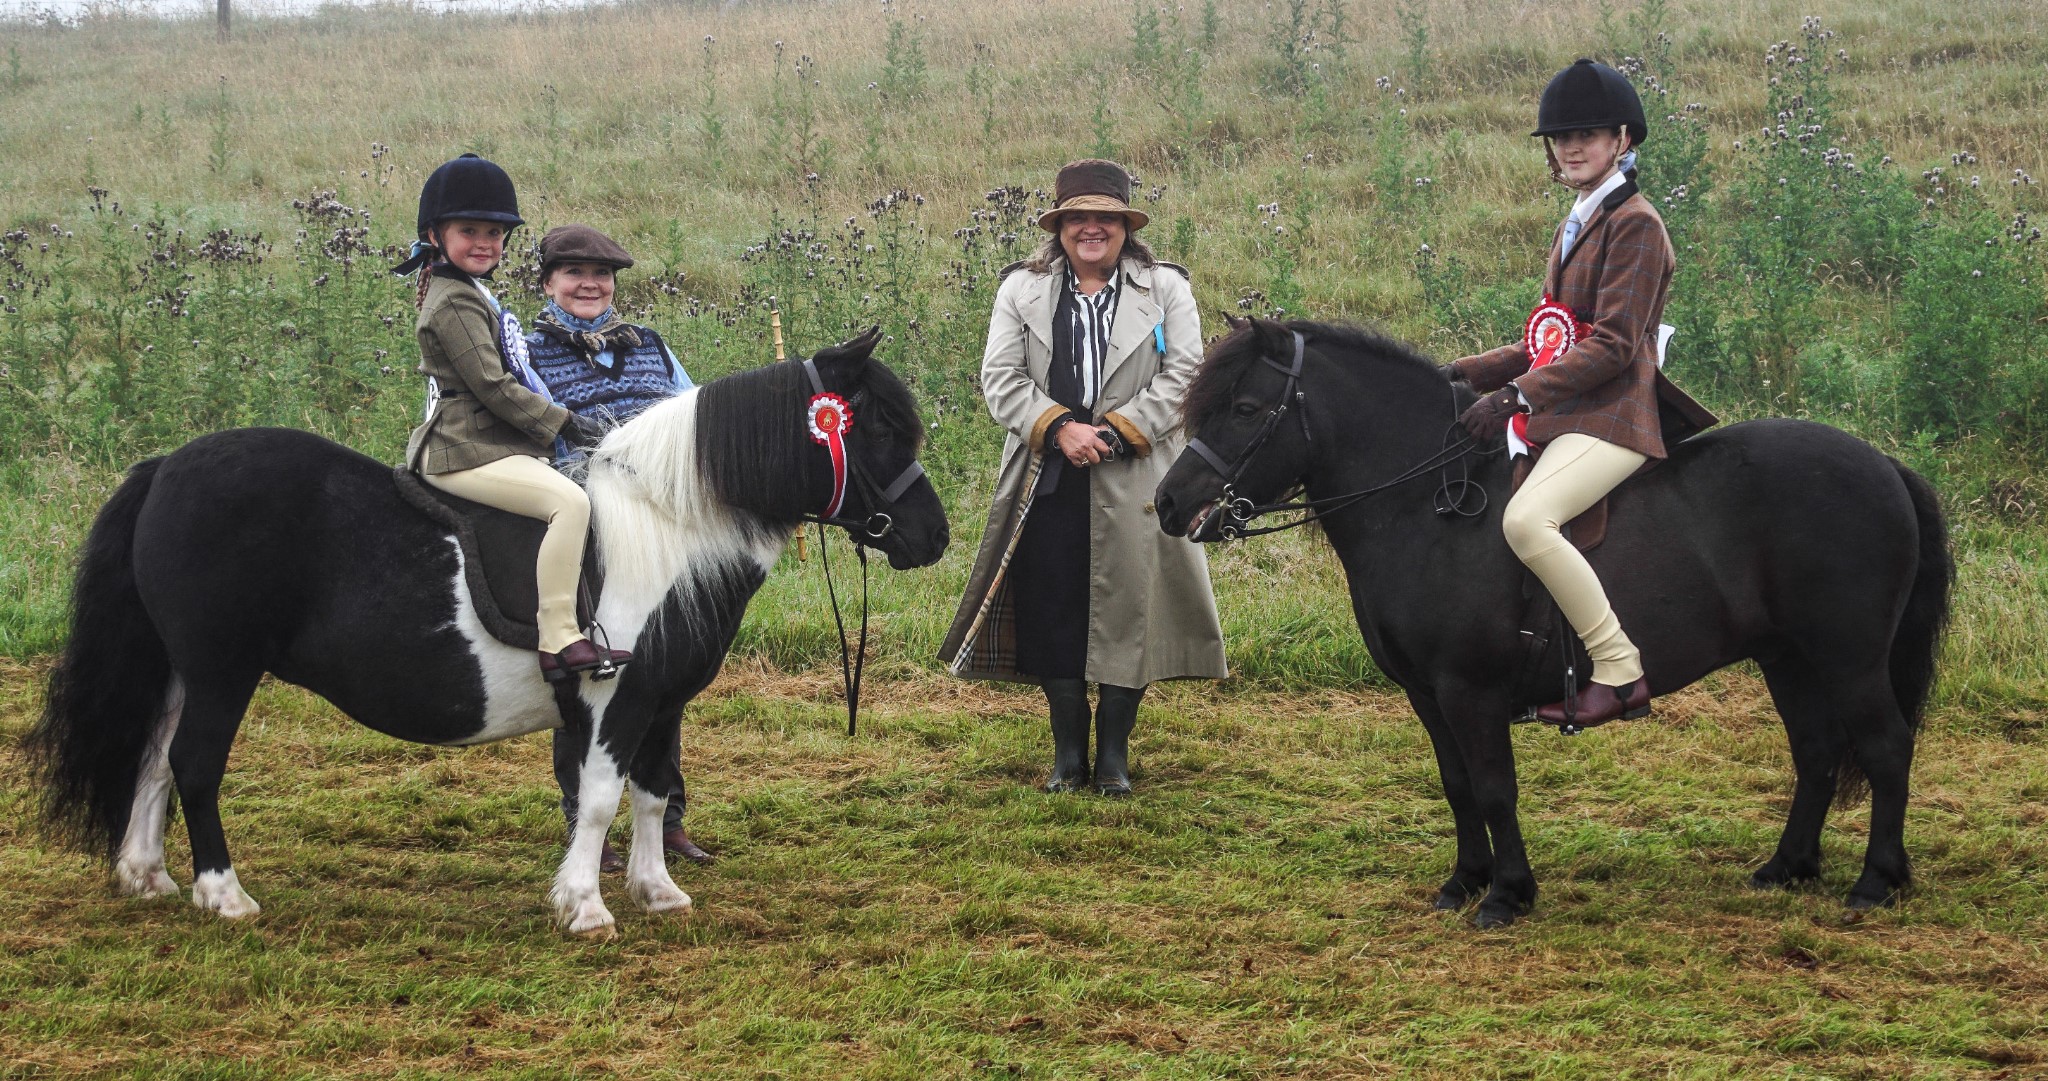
point(1230, 355)
point(756, 448)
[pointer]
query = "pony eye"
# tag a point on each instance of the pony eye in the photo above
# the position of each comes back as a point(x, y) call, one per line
point(1245, 409)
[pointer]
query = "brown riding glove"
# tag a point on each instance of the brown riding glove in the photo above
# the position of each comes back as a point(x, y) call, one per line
point(1487, 418)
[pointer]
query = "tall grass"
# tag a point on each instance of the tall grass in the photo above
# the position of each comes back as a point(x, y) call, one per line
point(207, 252)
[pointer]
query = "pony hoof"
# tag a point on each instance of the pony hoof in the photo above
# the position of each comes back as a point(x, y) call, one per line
point(1456, 895)
point(589, 919)
point(1772, 877)
point(221, 892)
point(604, 932)
point(1494, 917)
point(1860, 901)
point(144, 882)
point(661, 897)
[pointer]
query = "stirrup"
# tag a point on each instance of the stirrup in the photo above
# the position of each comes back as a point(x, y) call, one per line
point(606, 669)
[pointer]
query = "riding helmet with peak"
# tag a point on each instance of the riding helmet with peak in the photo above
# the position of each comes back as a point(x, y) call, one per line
point(1591, 95)
point(470, 188)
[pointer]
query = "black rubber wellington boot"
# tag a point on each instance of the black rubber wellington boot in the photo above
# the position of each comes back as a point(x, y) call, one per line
point(1067, 701)
point(1115, 714)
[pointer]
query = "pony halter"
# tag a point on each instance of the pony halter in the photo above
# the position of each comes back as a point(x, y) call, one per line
point(829, 418)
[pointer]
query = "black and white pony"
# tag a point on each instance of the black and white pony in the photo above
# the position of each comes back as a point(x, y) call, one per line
point(272, 550)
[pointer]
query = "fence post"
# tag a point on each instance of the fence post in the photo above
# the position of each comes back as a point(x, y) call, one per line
point(222, 33)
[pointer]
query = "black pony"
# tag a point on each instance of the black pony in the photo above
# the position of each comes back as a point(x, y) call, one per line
point(272, 550)
point(1782, 541)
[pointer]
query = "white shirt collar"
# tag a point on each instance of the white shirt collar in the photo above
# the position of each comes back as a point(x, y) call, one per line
point(1108, 288)
point(1582, 211)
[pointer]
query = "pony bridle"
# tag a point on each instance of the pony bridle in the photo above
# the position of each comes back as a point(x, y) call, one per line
point(829, 418)
point(1237, 509)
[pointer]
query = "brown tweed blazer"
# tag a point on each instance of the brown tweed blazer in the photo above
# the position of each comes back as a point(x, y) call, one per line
point(484, 413)
point(1607, 386)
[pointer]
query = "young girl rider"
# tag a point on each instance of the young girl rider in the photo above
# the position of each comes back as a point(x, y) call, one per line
point(1583, 387)
point(490, 426)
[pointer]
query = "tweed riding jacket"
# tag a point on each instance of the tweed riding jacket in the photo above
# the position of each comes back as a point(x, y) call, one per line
point(1614, 280)
point(484, 413)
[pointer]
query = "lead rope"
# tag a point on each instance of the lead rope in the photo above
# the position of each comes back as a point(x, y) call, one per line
point(852, 662)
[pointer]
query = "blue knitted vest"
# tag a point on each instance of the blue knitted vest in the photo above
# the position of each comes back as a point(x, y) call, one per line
point(635, 380)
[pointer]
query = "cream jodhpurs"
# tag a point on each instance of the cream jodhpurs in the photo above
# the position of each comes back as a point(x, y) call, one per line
point(529, 487)
point(1573, 473)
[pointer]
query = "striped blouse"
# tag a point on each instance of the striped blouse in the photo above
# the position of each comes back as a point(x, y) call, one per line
point(1093, 317)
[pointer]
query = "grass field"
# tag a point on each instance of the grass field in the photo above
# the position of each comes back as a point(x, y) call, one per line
point(905, 904)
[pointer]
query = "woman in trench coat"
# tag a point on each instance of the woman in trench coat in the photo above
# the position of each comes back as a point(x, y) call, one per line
point(1090, 350)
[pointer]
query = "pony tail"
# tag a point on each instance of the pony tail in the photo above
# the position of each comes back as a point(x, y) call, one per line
point(111, 693)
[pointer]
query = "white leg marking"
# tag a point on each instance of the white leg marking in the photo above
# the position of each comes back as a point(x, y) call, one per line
point(647, 879)
point(221, 891)
point(578, 908)
point(139, 870)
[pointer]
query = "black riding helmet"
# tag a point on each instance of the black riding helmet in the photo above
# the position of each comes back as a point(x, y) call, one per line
point(1591, 95)
point(470, 188)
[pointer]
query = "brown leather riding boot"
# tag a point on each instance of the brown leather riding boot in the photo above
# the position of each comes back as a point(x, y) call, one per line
point(581, 656)
point(676, 842)
point(1598, 704)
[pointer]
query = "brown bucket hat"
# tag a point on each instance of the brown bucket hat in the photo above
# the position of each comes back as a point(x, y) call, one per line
point(578, 243)
point(1092, 184)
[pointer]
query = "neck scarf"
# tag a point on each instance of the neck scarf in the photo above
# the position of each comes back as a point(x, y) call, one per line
point(590, 337)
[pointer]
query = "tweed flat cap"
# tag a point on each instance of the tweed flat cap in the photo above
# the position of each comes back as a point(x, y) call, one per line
point(579, 243)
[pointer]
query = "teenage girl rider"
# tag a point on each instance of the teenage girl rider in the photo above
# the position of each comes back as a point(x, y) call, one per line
point(1587, 403)
point(490, 427)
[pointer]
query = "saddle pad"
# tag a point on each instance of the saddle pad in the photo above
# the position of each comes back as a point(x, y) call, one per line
point(499, 550)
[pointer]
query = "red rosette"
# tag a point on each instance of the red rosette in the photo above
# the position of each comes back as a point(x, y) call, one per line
point(829, 419)
point(1551, 332)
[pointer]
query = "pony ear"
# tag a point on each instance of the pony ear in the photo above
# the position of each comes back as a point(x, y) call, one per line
point(1274, 337)
point(851, 351)
point(1235, 322)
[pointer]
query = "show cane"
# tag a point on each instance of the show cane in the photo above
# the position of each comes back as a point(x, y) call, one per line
point(803, 552)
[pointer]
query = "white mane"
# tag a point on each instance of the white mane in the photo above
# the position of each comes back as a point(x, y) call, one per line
point(659, 526)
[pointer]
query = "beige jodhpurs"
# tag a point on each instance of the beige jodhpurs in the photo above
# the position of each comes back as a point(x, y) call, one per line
point(529, 487)
point(1572, 474)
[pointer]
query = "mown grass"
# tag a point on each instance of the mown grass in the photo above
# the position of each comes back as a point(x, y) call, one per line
point(906, 905)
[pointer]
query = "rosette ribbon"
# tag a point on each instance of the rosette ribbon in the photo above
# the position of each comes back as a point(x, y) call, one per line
point(1551, 332)
point(830, 419)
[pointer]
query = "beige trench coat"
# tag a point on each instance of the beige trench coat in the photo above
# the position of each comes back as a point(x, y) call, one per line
point(1151, 614)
